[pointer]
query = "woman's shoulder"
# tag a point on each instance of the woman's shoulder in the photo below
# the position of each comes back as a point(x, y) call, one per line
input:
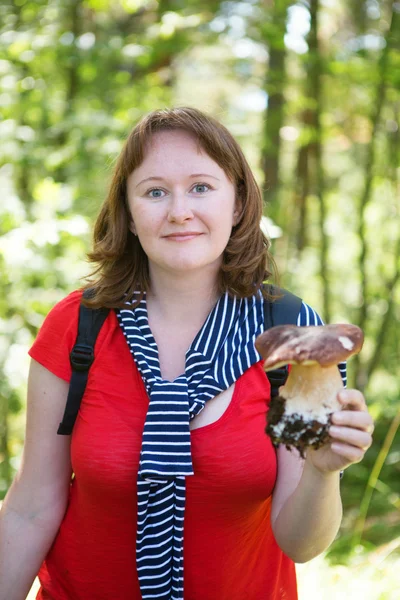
point(57, 336)
point(67, 306)
point(64, 313)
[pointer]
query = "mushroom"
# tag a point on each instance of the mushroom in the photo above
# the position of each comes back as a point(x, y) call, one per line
point(300, 415)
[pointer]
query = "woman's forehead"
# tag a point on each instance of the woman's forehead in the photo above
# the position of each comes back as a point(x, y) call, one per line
point(175, 152)
point(162, 143)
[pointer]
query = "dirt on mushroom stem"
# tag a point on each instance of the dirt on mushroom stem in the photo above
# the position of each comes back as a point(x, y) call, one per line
point(301, 415)
point(298, 432)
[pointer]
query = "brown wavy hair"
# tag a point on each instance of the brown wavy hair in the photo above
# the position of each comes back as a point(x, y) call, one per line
point(121, 263)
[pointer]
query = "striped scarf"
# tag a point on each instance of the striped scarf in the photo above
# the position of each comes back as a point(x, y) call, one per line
point(220, 353)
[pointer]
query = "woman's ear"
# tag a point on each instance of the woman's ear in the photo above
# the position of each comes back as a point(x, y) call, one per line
point(237, 215)
point(238, 209)
point(132, 227)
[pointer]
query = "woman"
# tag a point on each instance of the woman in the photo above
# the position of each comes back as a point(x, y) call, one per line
point(212, 511)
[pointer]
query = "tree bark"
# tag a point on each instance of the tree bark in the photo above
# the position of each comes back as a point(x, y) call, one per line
point(302, 189)
point(360, 371)
point(5, 471)
point(315, 76)
point(5, 466)
point(273, 33)
point(71, 74)
point(391, 286)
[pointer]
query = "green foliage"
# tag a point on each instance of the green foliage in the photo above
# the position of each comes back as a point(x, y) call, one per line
point(76, 75)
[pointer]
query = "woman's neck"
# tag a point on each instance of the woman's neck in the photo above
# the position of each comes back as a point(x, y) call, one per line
point(181, 298)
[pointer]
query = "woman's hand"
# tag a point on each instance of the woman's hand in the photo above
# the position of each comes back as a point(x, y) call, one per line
point(350, 433)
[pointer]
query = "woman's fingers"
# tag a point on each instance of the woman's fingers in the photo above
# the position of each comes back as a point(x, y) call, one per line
point(351, 453)
point(354, 413)
point(356, 419)
point(352, 427)
point(352, 400)
point(354, 437)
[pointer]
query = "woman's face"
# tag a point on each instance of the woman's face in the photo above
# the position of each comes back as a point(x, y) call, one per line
point(182, 205)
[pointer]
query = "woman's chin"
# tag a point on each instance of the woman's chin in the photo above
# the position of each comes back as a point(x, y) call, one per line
point(185, 266)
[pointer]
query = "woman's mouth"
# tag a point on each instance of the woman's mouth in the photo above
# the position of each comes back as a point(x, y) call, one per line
point(182, 237)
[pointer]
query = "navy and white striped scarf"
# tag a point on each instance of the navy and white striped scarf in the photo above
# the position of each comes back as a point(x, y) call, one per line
point(220, 353)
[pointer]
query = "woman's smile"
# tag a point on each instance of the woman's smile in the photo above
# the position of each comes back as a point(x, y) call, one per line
point(182, 236)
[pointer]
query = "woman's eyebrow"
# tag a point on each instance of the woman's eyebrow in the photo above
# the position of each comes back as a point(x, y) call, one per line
point(190, 176)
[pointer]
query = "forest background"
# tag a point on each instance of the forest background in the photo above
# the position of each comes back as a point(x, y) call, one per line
point(311, 90)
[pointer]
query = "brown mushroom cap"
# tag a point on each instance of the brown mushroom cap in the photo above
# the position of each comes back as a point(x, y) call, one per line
point(325, 345)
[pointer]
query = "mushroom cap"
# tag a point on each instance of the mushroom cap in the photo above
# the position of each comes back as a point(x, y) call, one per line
point(325, 345)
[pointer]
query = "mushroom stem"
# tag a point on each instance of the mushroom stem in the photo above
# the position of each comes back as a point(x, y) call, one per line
point(312, 388)
point(300, 415)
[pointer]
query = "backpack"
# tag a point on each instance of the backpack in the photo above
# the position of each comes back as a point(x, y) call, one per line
point(282, 311)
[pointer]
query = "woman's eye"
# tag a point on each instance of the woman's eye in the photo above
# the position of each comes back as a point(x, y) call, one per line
point(199, 188)
point(202, 187)
point(157, 193)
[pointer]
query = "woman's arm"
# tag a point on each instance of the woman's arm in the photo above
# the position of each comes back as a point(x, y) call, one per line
point(36, 502)
point(306, 506)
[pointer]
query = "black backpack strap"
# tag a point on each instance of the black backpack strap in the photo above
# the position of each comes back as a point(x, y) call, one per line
point(81, 358)
point(282, 311)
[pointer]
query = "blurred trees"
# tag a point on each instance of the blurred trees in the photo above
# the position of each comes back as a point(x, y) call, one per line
point(311, 91)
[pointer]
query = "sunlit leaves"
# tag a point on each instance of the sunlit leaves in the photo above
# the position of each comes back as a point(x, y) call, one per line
point(76, 76)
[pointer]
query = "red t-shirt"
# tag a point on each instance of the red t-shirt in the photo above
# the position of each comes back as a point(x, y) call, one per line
point(229, 549)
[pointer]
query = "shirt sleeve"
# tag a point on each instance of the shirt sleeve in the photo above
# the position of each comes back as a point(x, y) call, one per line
point(308, 316)
point(57, 337)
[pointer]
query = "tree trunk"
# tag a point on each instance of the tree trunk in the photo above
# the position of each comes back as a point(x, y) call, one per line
point(5, 467)
point(315, 75)
point(71, 76)
point(390, 286)
point(273, 34)
point(360, 371)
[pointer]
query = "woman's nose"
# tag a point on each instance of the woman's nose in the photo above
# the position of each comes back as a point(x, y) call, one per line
point(179, 209)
